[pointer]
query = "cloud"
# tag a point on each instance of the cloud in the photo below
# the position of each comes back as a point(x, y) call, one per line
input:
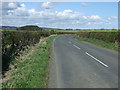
point(68, 11)
point(84, 4)
point(20, 10)
point(97, 17)
point(37, 23)
point(47, 5)
point(6, 6)
point(113, 18)
point(69, 14)
point(65, 14)
point(19, 15)
point(12, 5)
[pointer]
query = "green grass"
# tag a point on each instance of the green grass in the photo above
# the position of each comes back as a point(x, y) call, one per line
point(31, 72)
point(101, 43)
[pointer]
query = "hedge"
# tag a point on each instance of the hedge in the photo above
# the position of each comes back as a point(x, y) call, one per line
point(112, 37)
point(15, 41)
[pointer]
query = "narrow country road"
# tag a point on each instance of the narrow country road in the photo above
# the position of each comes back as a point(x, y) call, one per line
point(77, 64)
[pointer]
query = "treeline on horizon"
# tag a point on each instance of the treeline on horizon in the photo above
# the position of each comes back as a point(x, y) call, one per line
point(35, 27)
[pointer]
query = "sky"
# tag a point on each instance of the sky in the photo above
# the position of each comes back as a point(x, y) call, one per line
point(64, 15)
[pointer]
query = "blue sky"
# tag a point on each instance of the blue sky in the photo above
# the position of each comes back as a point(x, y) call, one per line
point(104, 9)
point(75, 15)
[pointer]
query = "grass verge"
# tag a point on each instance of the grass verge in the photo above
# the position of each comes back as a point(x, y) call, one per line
point(101, 43)
point(31, 71)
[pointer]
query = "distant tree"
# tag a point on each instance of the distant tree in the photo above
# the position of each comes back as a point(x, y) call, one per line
point(102, 29)
point(113, 29)
point(78, 29)
point(29, 27)
point(69, 29)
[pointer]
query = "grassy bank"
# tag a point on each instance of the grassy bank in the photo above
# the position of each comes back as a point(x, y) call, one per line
point(30, 71)
point(101, 43)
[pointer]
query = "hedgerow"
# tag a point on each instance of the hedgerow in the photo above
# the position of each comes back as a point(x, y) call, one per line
point(112, 37)
point(15, 41)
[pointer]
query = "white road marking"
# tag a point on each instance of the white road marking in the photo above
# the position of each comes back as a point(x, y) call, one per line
point(97, 60)
point(76, 46)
